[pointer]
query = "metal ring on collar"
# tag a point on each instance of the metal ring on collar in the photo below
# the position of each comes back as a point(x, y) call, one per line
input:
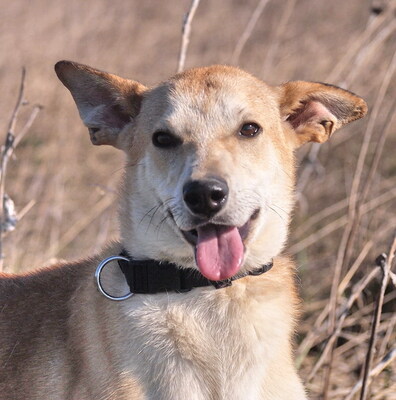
point(97, 277)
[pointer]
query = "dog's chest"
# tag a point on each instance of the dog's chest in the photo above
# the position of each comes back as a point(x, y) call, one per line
point(206, 345)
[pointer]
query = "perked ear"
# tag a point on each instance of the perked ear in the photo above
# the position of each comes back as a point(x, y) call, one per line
point(106, 102)
point(316, 110)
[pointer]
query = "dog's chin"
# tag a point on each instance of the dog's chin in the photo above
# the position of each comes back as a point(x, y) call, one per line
point(220, 248)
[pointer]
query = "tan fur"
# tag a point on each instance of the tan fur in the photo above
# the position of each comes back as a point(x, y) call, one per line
point(61, 339)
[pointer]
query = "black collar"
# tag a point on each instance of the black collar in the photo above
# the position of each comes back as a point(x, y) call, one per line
point(151, 276)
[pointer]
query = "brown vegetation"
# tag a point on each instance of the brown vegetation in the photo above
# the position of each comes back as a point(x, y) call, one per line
point(345, 215)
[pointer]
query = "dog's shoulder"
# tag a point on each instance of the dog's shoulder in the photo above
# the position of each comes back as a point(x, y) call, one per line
point(54, 281)
point(50, 281)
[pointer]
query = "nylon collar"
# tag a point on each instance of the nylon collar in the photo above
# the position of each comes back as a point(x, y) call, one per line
point(151, 276)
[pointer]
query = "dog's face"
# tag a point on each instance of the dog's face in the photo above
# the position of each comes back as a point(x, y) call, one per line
point(210, 174)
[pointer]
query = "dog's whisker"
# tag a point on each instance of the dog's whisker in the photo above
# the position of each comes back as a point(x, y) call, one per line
point(152, 212)
point(131, 165)
point(158, 227)
point(147, 214)
point(152, 217)
point(124, 167)
point(280, 208)
point(276, 212)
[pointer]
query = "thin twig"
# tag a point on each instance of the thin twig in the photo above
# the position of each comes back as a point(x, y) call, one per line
point(355, 51)
point(317, 219)
point(98, 209)
point(369, 130)
point(354, 267)
point(275, 41)
point(354, 198)
point(11, 142)
point(311, 164)
point(340, 222)
point(390, 329)
point(186, 31)
point(248, 31)
point(358, 288)
point(364, 54)
point(378, 151)
point(35, 112)
point(317, 333)
point(6, 154)
point(26, 209)
point(385, 262)
point(356, 46)
point(390, 357)
point(319, 216)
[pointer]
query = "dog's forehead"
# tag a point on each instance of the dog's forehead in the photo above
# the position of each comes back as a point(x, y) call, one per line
point(206, 88)
point(216, 96)
point(212, 79)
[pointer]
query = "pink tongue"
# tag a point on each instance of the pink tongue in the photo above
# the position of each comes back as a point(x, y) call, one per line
point(219, 251)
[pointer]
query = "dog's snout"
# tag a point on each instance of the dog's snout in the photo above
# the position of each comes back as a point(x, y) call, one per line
point(206, 197)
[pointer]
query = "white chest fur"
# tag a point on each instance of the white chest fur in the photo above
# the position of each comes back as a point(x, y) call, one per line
point(207, 344)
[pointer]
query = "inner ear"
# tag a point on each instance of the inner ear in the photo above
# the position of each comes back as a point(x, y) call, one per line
point(313, 120)
point(315, 110)
point(106, 102)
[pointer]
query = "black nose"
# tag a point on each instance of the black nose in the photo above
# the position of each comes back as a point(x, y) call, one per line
point(206, 197)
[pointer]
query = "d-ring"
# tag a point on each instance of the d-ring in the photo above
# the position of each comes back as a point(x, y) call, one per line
point(97, 277)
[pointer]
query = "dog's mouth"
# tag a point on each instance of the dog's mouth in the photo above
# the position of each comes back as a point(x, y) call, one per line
point(219, 249)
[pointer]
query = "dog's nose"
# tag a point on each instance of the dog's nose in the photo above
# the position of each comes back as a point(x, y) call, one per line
point(206, 197)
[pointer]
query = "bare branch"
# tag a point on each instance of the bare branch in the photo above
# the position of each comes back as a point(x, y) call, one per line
point(248, 31)
point(385, 262)
point(357, 290)
point(35, 112)
point(390, 357)
point(356, 47)
point(186, 31)
point(6, 153)
point(340, 222)
point(354, 210)
point(8, 215)
point(275, 41)
point(356, 51)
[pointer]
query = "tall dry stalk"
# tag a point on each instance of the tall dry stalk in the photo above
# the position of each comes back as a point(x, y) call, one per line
point(385, 262)
point(248, 31)
point(8, 214)
point(349, 233)
point(374, 34)
point(186, 32)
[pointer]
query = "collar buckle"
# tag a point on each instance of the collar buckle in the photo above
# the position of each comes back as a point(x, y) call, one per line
point(99, 270)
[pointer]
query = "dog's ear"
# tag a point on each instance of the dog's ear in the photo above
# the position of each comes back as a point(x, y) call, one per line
point(316, 110)
point(106, 102)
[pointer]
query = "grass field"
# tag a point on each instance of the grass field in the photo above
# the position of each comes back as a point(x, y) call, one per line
point(346, 197)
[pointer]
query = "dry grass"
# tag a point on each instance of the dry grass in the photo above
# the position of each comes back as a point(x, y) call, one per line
point(345, 214)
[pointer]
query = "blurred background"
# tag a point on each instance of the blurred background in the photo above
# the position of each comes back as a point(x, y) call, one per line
point(65, 189)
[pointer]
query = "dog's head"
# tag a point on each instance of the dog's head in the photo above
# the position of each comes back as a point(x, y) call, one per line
point(210, 175)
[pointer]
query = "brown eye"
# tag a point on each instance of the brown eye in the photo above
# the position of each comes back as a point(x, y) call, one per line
point(165, 140)
point(250, 129)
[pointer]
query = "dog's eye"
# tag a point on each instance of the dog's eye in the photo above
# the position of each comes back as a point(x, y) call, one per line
point(250, 129)
point(165, 140)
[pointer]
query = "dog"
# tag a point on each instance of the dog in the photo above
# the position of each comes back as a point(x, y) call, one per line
point(205, 205)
